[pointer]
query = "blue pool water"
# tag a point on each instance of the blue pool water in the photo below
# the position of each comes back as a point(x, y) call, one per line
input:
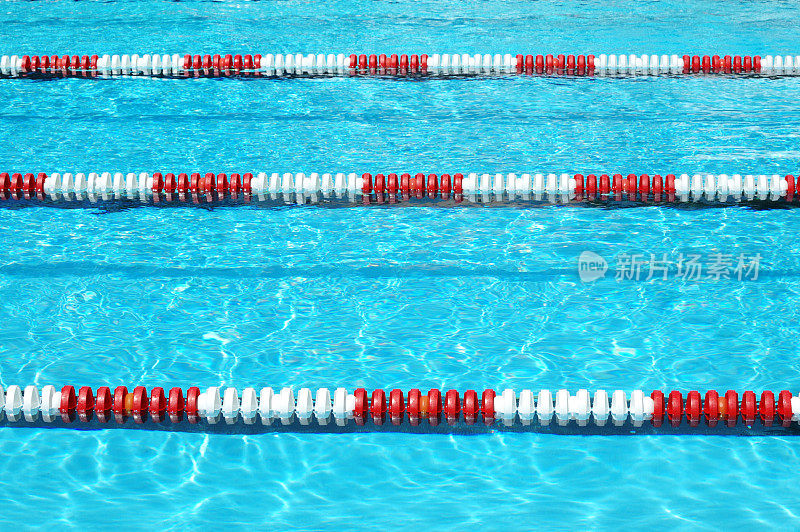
point(396, 297)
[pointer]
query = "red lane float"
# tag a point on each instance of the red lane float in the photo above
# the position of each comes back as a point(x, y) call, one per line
point(452, 404)
point(85, 404)
point(471, 406)
point(175, 403)
point(397, 405)
point(104, 404)
point(192, 400)
point(657, 396)
point(378, 406)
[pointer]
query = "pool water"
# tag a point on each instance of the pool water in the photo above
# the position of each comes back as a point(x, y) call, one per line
point(396, 297)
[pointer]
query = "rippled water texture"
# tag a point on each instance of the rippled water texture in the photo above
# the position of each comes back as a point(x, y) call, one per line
point(396, 297)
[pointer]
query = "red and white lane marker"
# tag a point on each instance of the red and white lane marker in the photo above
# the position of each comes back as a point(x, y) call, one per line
point(342, 406)
point(219, 65)
point(366, 187)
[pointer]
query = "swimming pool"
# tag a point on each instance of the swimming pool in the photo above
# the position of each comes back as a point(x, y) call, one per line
point(393, 297)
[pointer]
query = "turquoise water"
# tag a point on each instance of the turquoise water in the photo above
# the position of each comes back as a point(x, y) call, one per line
point(395, 297)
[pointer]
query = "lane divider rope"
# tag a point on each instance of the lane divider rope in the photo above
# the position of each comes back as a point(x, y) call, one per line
point(378, 188)
point(342, 407)
point(221, 65)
